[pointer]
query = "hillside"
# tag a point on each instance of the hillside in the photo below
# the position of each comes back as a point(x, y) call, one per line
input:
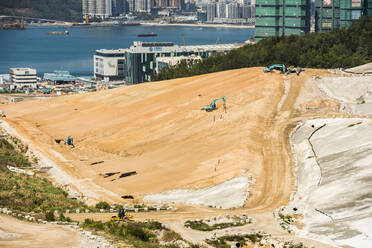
point(184, 155)
point(63, 10)
point(341, 48)
point(159, 131)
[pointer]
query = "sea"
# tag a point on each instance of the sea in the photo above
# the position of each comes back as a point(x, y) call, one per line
point(34, 48)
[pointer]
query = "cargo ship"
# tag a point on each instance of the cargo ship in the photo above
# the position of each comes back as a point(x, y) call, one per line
point(148, 35)
point(59, 32)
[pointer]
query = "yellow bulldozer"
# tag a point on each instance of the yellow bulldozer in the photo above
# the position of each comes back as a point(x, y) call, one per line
point(122, 216)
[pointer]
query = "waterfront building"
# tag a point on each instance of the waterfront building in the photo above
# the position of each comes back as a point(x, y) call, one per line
point(285, 17)
point(246, 11)
point(132, 5)
point(97, 8)
point(232, 10)
point(172, 4)
point(23, 78)
point(59, 77)
point(119, 7)
point(330, 14)
point(109, 64)
point(211, 11)
point(201, 16)
point(140, 59)
point(138, 63)
point(143, 5)
point(221, 10)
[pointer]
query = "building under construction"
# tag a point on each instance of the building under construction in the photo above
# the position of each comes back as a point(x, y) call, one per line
point(19, 24)
point(282, 17)
point(285, 17)
point(330, 14)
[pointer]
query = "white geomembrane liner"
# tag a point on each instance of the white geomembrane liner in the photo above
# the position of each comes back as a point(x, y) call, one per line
point(338, 209)
point(229, 194)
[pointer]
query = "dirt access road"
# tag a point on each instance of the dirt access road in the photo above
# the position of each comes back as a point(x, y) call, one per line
point(158, 130)
point(16, 233)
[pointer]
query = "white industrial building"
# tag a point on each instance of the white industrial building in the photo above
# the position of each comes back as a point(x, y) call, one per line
point(137, 63)
point(109, 64)
point(23, 78)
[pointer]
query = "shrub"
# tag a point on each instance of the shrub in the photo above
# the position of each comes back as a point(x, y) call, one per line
point(103, 205)
point(49, 216)
point(169, 235)
point(28, 193)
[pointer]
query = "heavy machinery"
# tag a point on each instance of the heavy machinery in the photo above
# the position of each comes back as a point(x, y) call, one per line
point(69, 141)
point(122, 216)
point(281, 68)
point(213, 105)
point(47, 90)
point(292, 69)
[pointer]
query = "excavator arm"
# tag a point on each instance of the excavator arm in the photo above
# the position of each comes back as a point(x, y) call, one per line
point(213, 105)
point(276, 67)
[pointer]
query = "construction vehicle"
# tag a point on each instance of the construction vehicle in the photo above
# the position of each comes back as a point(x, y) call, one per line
point(122, 216)
point(15, 25)
point(281, 68)
point(69, 141)
point(292, 69)
point(47, 90)
point(213, 105)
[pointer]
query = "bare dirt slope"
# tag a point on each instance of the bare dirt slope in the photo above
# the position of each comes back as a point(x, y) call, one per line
point(158, 130)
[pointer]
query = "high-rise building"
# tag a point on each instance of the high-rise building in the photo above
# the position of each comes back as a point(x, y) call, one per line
point(97, 8)
point(132, 5)
point(143, 5)
point(285, 17)
point(118, 7)
point(246, 11)
point(85, 7)
point(221, 10)
point(201, 15)
point(211, 12)
point(232, 10)
point(330, 14)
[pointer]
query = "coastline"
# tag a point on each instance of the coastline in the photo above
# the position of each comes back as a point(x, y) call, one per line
point(69, 25)
point(198, 25)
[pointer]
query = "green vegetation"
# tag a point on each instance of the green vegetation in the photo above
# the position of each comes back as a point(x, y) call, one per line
point(227, 241)
point(202, 226)
point(64, 10)
point(293, 245)
point(344, 48)
point(286, 218)
point(137, 234)
point(103, 205)
point(351, 125)
point(28, 193)
point(169, 236)
point(49, 216)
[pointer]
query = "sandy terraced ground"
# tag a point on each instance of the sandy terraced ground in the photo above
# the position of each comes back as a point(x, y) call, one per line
point(158, 130)
point(16, 233)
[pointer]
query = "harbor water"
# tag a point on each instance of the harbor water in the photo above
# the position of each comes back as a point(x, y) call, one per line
point(74, 52)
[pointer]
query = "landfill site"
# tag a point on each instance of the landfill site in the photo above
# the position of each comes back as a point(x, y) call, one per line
point(293, 152)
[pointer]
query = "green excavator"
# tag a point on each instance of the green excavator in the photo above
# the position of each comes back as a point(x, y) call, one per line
point(69, 141)
point(281, 68)
point(213, 105)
